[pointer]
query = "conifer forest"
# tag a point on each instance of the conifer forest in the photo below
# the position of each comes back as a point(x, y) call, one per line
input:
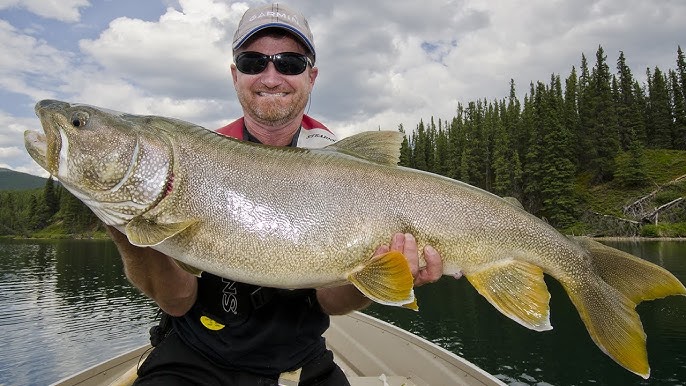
point(596, 153)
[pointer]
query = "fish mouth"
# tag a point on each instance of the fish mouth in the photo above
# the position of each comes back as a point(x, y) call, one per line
point(45, 148)
point(37, 146)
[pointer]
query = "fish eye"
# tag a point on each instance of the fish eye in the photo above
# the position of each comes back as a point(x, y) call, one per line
point(79, 119)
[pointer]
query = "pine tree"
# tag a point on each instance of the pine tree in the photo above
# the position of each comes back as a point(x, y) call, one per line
point(629, 111)
point(571, 120)
point(585, 142)
point(532, 166)
point(603, 120)
point(441, 153)
point(405, 150)
point(50, 197)
point(512, 123)
point(679, 112)
point(632, 169)
point(503, 174)
point(456, 144)
point(557, 181)
point(420, 149)
point(660, 124)
point(681, 70)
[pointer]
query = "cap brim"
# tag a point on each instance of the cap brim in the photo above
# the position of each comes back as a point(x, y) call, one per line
point(283, 26)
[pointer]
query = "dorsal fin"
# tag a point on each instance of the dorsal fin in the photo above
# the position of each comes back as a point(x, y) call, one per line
point(377, 146)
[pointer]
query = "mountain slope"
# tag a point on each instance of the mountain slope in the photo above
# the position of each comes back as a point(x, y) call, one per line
point(13, 180)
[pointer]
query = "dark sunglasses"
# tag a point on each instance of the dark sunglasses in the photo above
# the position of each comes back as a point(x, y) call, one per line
point(287, 63)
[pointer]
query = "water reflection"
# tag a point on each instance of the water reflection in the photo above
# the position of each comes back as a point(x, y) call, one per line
point(65, 306)
point(455, 316)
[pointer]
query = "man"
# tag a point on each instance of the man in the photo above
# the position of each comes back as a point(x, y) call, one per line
point(222, 332)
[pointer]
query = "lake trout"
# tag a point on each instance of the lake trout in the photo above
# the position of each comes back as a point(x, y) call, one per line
point(310, 218)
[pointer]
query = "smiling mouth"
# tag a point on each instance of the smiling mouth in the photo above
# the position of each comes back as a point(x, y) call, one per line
point(271, 94)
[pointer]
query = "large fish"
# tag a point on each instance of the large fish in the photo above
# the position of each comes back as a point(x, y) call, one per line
point(297, 218)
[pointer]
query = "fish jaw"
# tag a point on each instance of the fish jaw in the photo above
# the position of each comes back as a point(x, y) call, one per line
point(37, 148)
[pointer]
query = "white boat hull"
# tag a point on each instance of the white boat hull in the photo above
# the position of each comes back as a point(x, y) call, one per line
point(370, 352)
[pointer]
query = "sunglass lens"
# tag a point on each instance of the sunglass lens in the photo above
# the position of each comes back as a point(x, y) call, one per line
point(290, 64)
point(287, 63)
point(251, 63)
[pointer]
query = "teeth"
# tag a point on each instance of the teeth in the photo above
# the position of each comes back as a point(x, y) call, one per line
point(278, 94)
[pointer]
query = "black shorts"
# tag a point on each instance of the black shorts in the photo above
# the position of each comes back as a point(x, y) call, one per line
point(172, 362)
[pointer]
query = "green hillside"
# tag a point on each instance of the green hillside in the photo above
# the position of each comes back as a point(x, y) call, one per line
point(662, 166)
point(13, 180)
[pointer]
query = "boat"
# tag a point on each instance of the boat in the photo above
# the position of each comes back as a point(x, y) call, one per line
point(370, 352)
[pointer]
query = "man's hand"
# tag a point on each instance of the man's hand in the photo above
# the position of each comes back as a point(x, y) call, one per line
point(346, 298)
point(407, 245)
point(156, 275)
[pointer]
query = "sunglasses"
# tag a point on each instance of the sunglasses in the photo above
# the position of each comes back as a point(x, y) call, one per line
point(287, 63)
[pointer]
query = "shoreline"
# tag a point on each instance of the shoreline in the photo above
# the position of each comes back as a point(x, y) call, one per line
point(638, 238)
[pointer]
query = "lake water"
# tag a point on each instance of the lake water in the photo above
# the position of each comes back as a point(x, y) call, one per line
point(66, 305)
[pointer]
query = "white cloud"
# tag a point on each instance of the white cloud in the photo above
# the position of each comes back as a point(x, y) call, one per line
point(185, 53)
point(32, 66)
point(63, 10)
point(381, 63)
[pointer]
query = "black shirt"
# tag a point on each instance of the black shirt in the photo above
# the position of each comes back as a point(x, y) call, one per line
point(245, 327)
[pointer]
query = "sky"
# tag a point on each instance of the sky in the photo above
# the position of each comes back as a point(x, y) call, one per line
point(381, 63)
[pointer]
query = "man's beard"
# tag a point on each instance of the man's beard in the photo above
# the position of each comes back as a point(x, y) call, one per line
point(272, 114)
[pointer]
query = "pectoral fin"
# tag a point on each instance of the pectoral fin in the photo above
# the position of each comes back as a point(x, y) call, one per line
point(146, 233)
point(386, 279)
point(516, 289)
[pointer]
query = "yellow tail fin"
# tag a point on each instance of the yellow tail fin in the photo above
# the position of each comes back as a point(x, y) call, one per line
point(607, 302)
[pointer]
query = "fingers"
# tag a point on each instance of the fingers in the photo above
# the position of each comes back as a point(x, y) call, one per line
point(433, 270)
point(381, 250)
point(407, 245)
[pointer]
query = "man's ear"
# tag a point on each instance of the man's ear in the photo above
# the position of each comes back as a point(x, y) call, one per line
point(234, 74)
point(314, 71)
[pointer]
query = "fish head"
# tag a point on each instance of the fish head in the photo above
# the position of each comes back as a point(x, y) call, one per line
point(115, 163)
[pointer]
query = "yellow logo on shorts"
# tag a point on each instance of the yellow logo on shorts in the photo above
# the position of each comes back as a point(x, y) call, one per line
point(211, 324)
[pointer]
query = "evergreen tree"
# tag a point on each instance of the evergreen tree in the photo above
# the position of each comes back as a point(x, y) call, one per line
point(629, 111)
point(585, 142)
point(430, 147)
point(420, 149)
point(512, 123)
point(570, 113)
point(681, 70)
point(660, 124)
point(603, 120)
point(641, 108)
point(679, 109)
point(632, 169)
point(442, 153)
point(558, 198)
point(405, 150)
point(532, 166)
point(503, 174)
point(456, 144)
point(475, 158)
point(50, 198)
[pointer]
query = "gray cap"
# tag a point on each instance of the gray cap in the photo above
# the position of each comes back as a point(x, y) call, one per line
point(273, 16)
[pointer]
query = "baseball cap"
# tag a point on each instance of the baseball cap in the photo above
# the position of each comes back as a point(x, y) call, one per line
point(273, 16)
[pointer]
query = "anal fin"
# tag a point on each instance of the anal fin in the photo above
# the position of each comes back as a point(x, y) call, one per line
point(517, 290)
point(386, 279)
